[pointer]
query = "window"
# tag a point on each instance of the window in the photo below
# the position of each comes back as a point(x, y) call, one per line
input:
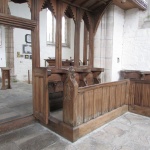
point(51, 29)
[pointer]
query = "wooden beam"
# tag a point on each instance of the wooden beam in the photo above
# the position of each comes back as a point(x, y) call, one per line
point(87, 3)
point(16, 123)
point(17, 22)
point(75, 5)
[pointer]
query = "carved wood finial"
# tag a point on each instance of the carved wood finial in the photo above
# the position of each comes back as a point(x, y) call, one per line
point(71, 72)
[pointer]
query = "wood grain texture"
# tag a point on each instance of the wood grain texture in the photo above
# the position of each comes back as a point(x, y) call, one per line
point(88, 106)
point(41, 102)
point(97, 122)
point(17, 123)
point(98, 102)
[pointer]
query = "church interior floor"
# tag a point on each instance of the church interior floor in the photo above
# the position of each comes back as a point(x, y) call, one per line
point(15, 102)
point(127, 132)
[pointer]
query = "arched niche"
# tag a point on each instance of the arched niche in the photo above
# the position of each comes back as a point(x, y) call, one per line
point(47, 36)
point(68, 31)
point(84, 40)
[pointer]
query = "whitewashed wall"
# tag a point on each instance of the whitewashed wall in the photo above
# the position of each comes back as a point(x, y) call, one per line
point(136, 46)
point(118, 32)
point(21, 65)
point(122, 42)
point(49, 50)
point(103, 45)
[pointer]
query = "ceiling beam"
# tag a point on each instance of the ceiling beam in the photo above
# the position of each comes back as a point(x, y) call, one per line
point(75, 5)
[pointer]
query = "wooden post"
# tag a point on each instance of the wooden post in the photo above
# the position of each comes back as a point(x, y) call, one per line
point(5, 75)
point(35, 9)
point(77, 38)
point(58, 46)
point(91, 46)
point(69, 101)
point(3, 6)
point(85, 45)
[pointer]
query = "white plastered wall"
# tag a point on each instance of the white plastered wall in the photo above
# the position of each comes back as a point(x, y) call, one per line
point(136, 46)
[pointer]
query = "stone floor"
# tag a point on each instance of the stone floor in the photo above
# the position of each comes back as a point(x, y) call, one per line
point(15, 102)
point(128, 132)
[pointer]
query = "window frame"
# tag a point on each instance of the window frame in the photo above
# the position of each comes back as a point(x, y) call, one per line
point(67, 31)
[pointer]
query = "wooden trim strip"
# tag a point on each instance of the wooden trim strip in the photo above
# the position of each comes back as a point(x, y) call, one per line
point(92, 87)
point(17, 123)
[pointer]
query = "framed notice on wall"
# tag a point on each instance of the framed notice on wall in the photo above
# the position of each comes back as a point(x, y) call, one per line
point(0, 36)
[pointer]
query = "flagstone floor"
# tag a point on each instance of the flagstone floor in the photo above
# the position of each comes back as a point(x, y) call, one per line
point(15, 102)
point(127, 132)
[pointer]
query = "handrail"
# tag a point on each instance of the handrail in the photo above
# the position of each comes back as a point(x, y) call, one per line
point(95, 86)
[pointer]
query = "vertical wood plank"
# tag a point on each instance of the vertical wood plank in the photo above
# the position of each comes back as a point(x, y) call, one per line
point(97, 102)
point(105, 100)
point(79, 110)
point(145, 95)
point(112, 102)
point(138, 94)
point(88, 105)
point(131, 93)
point(42, 94)
point(118, 95)
point(123, 93)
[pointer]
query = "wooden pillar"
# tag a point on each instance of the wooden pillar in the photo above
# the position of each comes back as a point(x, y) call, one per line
point(58, 48)
point(35, 9)
point(35, 5)
point(3, 6)
point(85, 45)
point(91, 46)
point(77, 38)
